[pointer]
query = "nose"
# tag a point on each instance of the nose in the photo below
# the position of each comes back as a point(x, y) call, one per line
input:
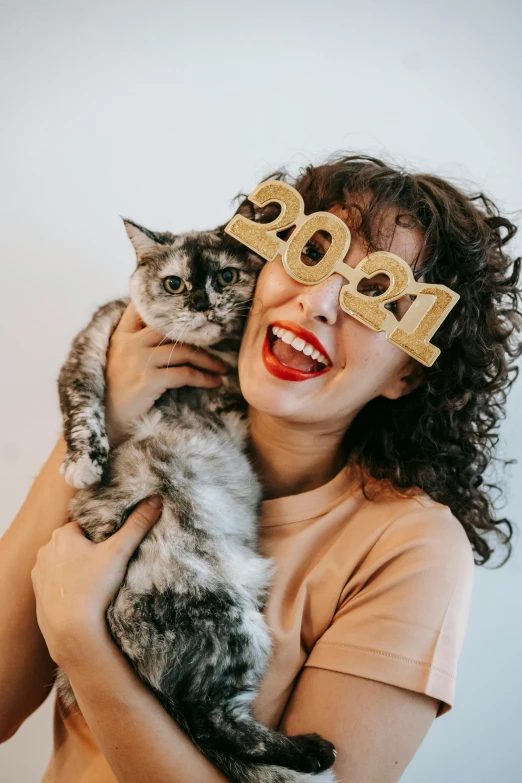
point(199, 302)
point(321, 302)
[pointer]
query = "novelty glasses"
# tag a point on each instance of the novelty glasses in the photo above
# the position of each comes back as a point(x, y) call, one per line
point(419, 323)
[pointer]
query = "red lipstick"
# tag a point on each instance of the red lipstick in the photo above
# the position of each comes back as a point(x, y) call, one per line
point(282, 371)
point(308, 337)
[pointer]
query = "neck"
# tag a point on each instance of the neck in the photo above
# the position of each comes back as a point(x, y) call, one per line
point(290, 457)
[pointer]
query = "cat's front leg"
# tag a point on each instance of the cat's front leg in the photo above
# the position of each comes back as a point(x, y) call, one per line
point(81, 387)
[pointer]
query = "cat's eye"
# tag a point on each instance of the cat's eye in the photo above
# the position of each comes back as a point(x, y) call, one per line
point(227, 276)
point(174, 284)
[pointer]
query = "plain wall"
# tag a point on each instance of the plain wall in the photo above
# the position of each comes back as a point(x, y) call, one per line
point(163, 112)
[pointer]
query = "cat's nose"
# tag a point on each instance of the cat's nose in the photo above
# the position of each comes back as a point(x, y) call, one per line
point(200, 303)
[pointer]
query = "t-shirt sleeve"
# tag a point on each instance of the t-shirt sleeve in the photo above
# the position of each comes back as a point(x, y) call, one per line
point(402, 619)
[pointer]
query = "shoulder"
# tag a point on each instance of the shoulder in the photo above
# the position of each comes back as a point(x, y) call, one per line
point(403, 612)
point(425, 535)
point(425, 522)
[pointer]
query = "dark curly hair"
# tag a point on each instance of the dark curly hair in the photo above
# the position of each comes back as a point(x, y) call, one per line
point(440, 437)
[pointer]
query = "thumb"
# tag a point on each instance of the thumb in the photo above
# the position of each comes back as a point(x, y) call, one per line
point(137, 525)
point(130, 321)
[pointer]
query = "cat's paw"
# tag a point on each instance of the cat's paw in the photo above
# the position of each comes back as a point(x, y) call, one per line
point(80, 472)
point(315, 753)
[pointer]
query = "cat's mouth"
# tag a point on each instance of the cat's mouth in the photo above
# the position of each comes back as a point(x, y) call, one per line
point(200, 320)
point(293, 351)
point(201, 332)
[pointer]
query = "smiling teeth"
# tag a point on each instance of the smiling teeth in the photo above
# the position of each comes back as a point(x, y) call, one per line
point(299, 344)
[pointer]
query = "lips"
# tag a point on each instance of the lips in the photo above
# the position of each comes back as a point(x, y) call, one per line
point(308, 360)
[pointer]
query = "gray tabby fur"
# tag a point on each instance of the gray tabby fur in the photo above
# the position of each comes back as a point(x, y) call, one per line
point(189, 613)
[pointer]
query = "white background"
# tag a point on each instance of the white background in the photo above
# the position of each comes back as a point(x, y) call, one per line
point(164, 111)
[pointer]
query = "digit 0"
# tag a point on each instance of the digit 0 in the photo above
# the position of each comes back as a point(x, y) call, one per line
point(319, 221)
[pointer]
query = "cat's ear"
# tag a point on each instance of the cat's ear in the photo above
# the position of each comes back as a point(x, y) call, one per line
point(144, 241)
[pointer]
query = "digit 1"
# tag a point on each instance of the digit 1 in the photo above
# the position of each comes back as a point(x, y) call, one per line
point(257, 236)
point(416, 343)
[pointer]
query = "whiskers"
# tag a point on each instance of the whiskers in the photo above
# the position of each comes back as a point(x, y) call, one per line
point(174, 345)
point(243, 308)
point(165, 339)
point(240, 308)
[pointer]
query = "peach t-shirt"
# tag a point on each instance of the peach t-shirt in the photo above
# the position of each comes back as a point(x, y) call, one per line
point(374, 588)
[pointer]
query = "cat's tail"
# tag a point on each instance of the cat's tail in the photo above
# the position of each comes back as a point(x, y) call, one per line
point(238, 771)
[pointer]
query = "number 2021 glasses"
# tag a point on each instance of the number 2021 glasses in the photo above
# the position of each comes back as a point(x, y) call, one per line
point(412, 333)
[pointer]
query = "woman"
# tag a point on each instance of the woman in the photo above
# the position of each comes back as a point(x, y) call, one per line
point(372, 472)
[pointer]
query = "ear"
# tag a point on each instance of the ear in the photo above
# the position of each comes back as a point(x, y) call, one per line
point(408, 379)
point(143, 240)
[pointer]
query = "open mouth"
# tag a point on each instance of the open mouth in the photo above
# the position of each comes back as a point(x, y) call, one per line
point(288, 355)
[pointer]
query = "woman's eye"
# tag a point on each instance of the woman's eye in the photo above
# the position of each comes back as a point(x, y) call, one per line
point(174, 285)
point(227, 276)
point(372, 292)
point(312, 254)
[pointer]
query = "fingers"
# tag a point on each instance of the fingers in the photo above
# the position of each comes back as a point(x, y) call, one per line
point(169, 355)
point(131, 323)
point(134, 529)
point(175, 377)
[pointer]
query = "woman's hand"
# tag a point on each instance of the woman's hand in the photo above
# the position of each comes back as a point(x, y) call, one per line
point(74, 581)
point(141, 366)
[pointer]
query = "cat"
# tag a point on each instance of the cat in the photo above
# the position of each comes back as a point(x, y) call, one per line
point(189, 613)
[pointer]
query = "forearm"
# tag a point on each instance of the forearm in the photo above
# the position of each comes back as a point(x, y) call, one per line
point(26, 669)
point(139, 739)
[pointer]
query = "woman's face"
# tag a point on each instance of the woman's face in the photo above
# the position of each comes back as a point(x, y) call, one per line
point(360, 364)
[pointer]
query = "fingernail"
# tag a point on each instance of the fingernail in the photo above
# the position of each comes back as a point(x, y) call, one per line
point(155, 501)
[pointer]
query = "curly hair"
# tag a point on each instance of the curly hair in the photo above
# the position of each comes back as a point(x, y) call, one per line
point(440, 437)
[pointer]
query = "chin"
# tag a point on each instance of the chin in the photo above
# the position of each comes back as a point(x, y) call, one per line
point(265, 393)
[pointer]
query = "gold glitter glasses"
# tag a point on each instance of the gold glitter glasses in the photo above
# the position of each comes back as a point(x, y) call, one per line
point(411, 334)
